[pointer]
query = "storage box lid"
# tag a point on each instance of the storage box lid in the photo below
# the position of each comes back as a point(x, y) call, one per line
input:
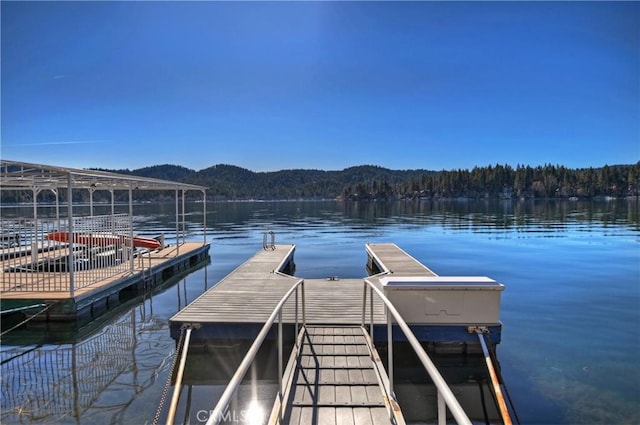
point(440, 282)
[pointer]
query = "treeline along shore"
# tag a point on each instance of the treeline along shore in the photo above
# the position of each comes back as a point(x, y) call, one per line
point(368, 182)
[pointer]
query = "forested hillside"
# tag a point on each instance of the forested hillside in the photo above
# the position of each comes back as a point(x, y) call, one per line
point(367, 182)
point(228, 182)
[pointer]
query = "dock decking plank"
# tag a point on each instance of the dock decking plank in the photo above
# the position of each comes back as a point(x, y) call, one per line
point(250, 293)
point(334, 388)
point(397, 261)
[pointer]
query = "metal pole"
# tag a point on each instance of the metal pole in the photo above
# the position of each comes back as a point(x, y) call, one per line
point(442, 409)
point(71, 265)
point(131, 262)
point(177, 224)
point(34, 239)
point(304, 314)
point(504, 412)
point(55, 192)
point(204, 212)
point(371, 315)
point(364, 302)
point(178, 384)
point(296, 328)
point(90, 202)
point(390, 350)
point(113, 212)
point(184, 232)
point(280, 389)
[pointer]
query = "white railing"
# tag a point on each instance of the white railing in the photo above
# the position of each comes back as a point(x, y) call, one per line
point(217, 414)
point(446, 399)
point(45, 255)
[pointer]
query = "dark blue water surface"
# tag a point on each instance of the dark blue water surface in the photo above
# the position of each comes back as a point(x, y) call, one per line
point(571, 308)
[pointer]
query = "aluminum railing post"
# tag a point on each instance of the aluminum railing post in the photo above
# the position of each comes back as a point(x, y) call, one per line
point(442, 410)
point(390, 350)
point(71, 230)
point(204, 215)
point(184, 219)
point(371, 314)
point(280, 391)
point(304, 313)
point(177, 224)
point(296, 328)
point(364, 302)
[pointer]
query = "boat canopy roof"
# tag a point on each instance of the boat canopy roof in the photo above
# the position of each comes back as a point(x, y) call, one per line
point(15, 175)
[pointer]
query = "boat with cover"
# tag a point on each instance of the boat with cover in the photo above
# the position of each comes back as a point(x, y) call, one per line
point(104, 239)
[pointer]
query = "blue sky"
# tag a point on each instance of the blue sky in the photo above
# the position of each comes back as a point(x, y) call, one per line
point(320, 85)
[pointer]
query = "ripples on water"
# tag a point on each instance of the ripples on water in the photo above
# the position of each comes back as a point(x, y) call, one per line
point(570, 309)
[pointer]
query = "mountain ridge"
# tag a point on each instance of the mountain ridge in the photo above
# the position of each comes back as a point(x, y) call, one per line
point(226, 181)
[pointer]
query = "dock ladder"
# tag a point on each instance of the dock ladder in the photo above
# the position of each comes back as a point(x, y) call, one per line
point(334, 373)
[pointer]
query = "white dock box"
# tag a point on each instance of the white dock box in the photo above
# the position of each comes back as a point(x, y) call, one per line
point(464, 300)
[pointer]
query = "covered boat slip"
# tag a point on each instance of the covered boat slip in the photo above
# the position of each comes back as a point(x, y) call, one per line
point(56, 251)
point(151, 269)
point(18, 286)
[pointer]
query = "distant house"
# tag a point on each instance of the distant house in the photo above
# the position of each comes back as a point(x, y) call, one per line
point(507, 192)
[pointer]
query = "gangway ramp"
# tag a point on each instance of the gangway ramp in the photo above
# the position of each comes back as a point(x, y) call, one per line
point(336, 378)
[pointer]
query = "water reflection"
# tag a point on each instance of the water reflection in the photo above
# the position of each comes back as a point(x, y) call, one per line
point(473, 215)
point(41, 383)
point(67, 372)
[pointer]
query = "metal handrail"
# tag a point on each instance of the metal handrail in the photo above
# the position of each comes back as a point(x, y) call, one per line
point(269, 240)
point(445, 395)
point(218, 412)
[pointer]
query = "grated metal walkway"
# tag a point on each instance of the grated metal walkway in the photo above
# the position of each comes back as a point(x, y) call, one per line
point(336, 380)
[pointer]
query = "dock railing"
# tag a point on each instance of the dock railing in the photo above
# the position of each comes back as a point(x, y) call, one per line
point(446, 398)
point(62, 254)
point(217, 414)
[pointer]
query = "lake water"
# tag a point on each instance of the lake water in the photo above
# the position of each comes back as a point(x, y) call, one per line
point(570, 311)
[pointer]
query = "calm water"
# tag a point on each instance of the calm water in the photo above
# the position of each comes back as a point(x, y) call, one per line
point(571, 308)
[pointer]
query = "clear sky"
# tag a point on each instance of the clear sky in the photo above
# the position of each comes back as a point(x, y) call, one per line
point(320, 85)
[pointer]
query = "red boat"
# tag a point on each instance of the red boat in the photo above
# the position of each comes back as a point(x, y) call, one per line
point(104, 239)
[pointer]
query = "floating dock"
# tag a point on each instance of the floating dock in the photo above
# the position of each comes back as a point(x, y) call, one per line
point(334, 373)
point(238, 306)
point(151, 270)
